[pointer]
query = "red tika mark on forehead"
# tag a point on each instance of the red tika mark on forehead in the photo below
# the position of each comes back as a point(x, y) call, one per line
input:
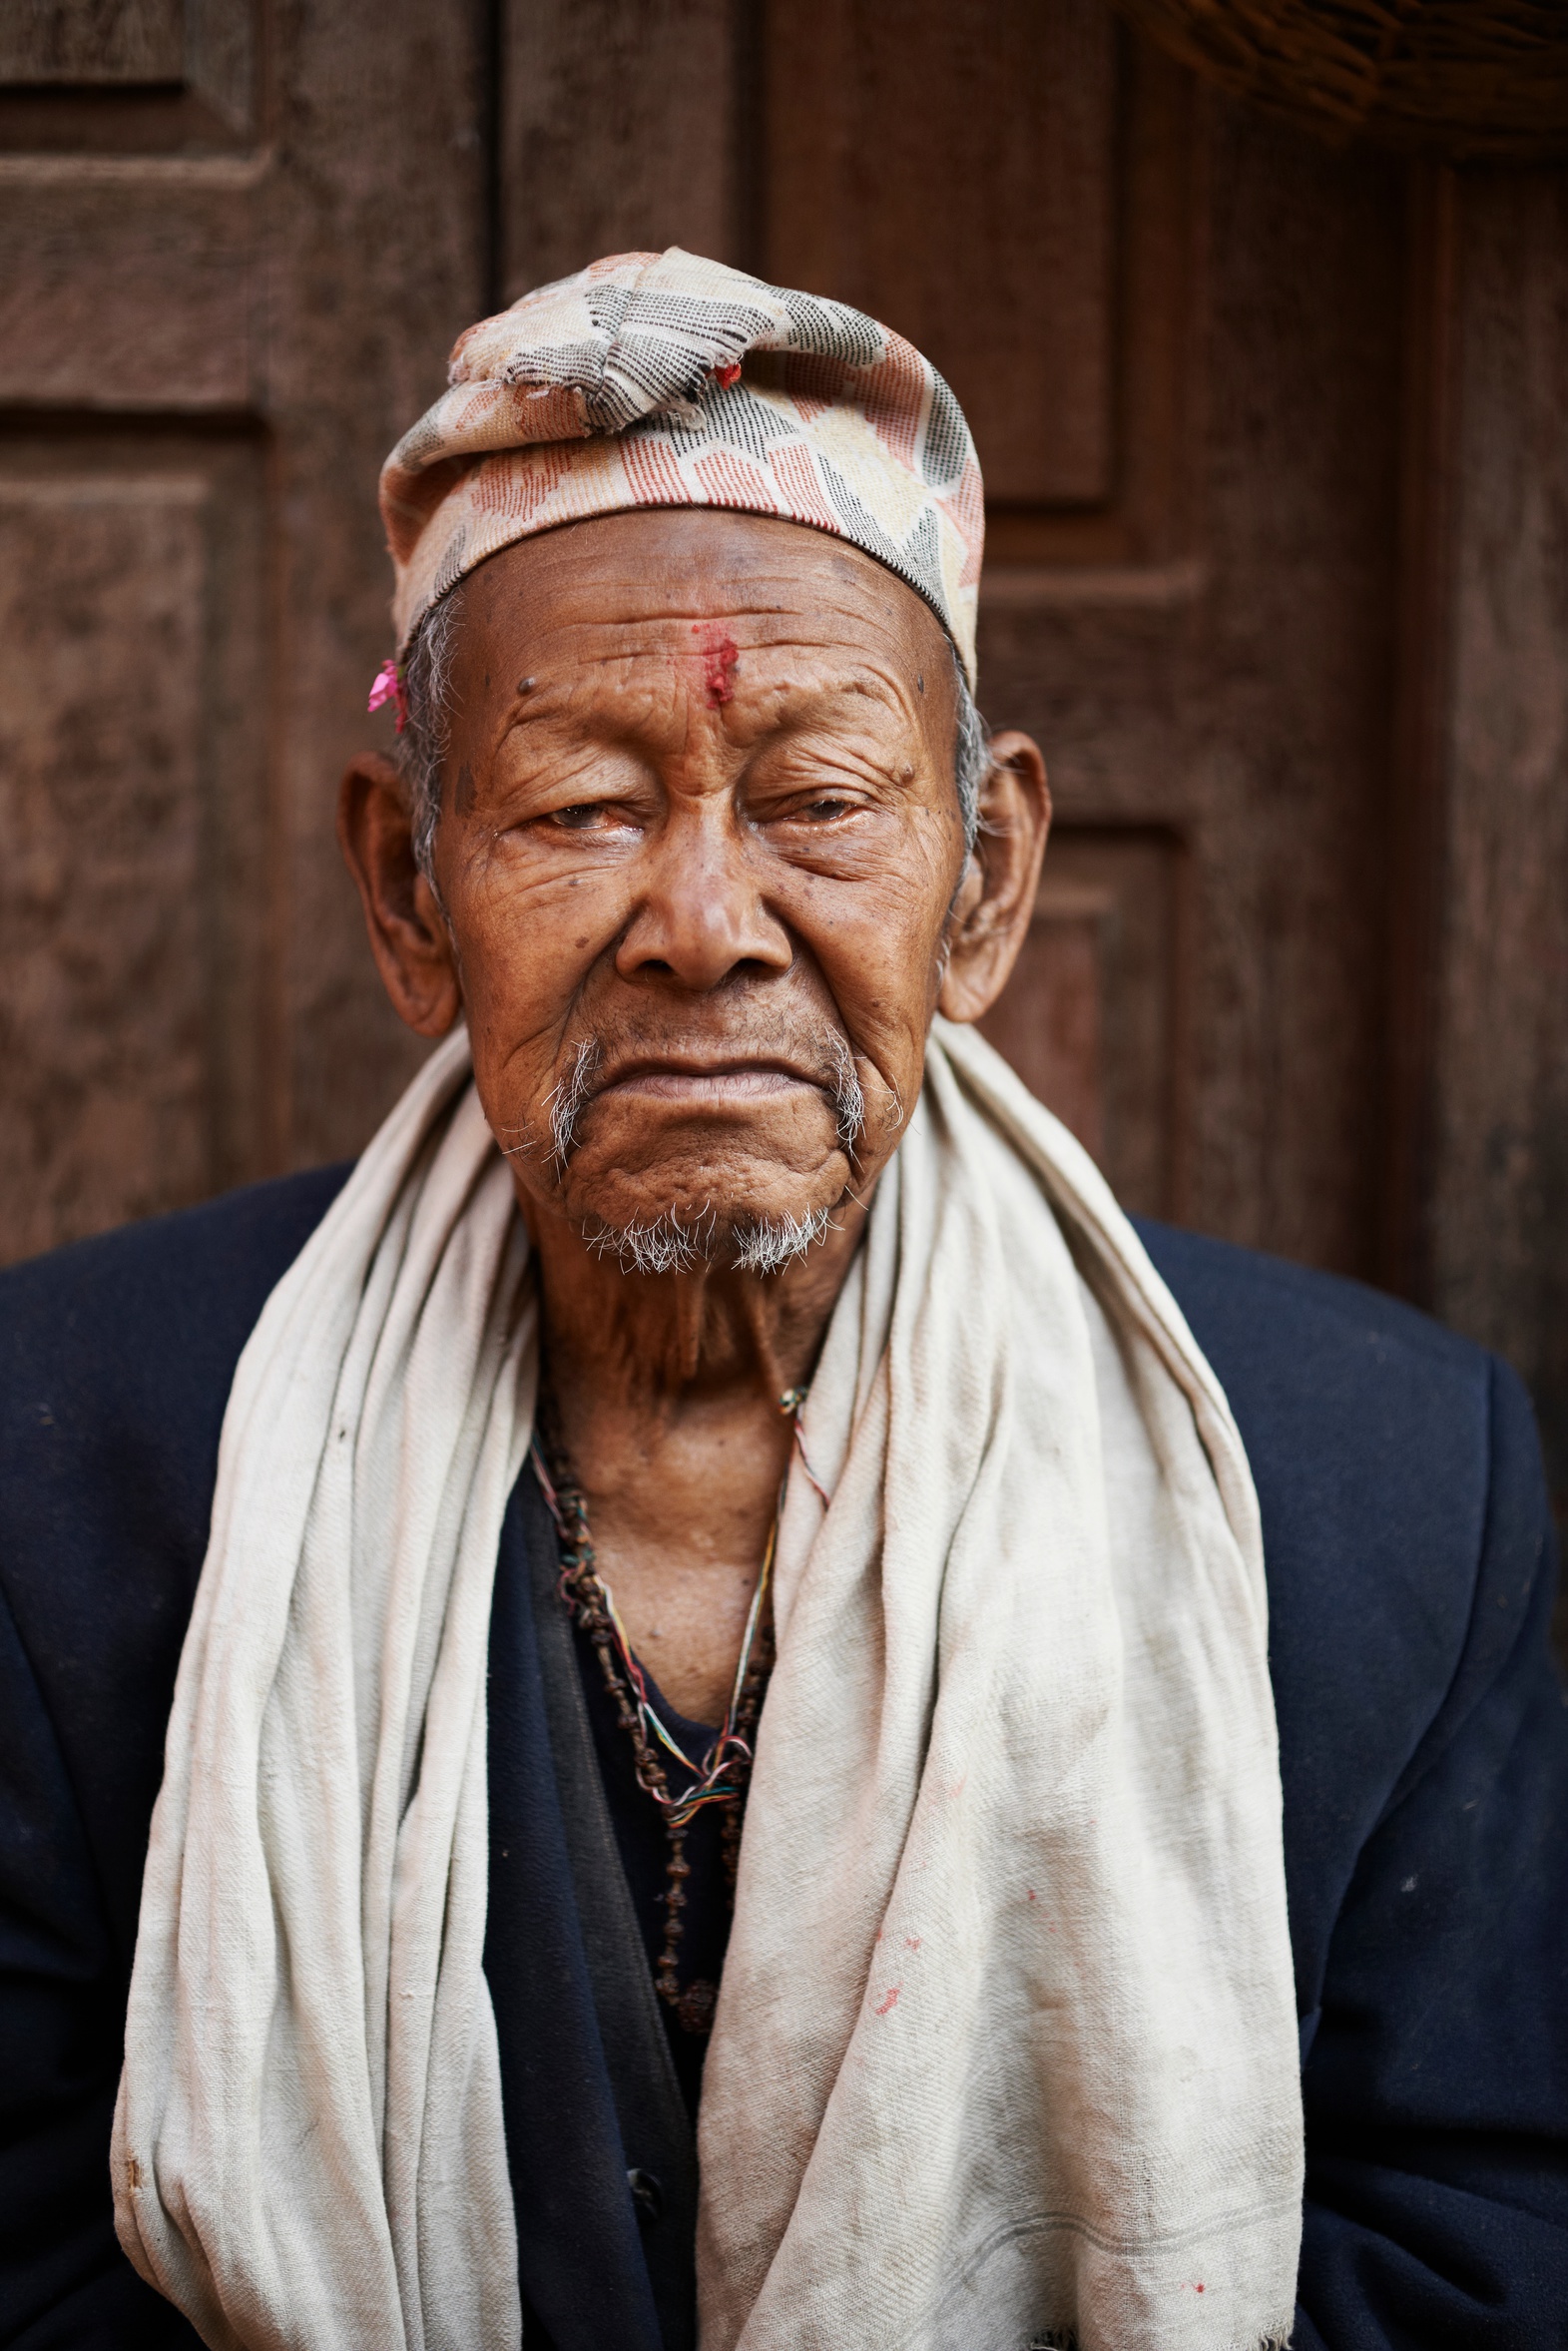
point(720, 655)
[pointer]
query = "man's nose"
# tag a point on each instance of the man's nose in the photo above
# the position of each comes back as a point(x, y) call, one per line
point(702, 915)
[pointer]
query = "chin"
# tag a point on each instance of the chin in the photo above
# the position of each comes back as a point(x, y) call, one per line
point(772, 1166)
point(757, 1219)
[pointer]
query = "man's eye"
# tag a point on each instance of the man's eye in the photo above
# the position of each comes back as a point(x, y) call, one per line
point(822, 812)
point(577, 818)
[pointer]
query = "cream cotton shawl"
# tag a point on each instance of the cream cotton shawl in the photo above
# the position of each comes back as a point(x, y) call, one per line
point(1006, 2050)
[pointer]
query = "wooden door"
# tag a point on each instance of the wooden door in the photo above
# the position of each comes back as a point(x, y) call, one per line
point(237, 246)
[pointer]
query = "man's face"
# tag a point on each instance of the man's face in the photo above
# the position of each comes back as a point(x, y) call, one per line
point(698, 848)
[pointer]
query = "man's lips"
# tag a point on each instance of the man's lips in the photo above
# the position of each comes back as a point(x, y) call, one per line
point(678, 1080)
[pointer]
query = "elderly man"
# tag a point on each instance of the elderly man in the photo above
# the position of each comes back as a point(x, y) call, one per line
point(721, 1396)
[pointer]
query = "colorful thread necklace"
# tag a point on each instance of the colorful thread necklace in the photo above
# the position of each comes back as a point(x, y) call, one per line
point(726, 1776)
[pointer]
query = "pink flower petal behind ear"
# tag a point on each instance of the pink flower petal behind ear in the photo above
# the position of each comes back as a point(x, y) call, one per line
point(387, 686)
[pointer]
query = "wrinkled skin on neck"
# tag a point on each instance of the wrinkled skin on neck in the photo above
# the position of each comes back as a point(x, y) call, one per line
point(701, 882)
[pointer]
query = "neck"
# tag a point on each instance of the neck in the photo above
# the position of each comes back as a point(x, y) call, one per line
point(666, 1391)
point(650, 1343)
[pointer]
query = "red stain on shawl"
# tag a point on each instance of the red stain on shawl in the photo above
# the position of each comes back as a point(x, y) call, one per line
point(891, 2002)
point(720, 655)
point(725, 376)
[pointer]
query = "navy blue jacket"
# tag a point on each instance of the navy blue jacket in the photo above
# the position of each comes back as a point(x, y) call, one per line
point(1423, 1746)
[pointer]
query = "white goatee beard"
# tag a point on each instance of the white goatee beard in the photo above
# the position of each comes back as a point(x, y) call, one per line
point(672, 1244)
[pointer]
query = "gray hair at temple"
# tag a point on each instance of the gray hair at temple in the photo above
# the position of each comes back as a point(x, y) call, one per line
point(427, 702)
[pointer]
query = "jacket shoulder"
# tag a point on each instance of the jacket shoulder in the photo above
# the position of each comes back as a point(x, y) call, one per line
point(117, 1354)
point(1251, 1304)
point(205, 1270)
point(1369, 1430)
point(1357, 1413)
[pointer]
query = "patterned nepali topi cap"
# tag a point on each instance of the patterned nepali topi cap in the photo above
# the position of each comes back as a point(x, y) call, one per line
point(661, 379)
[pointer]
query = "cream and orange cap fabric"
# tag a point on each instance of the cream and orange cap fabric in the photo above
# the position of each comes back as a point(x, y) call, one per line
point(661, 379)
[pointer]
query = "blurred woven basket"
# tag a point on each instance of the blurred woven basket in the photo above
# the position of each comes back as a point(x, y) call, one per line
point(1457, 78)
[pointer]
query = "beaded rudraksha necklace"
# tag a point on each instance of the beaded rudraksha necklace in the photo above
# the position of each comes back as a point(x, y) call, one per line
point(726, 1776)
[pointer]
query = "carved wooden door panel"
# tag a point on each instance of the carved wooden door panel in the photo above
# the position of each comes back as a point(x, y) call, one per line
point(235, 249)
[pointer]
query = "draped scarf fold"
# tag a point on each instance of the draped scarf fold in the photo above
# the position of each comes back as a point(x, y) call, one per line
point(1006, 2050)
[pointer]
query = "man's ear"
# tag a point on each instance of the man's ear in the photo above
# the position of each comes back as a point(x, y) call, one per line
point(996, 896)
point(408, 933)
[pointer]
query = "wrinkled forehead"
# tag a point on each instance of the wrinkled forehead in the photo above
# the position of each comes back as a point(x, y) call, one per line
point(684, 579)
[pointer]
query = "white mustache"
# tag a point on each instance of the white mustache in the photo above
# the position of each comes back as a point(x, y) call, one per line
point(569, 1097)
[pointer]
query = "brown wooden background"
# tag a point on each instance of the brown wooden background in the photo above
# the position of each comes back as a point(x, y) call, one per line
point(1275, 442)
